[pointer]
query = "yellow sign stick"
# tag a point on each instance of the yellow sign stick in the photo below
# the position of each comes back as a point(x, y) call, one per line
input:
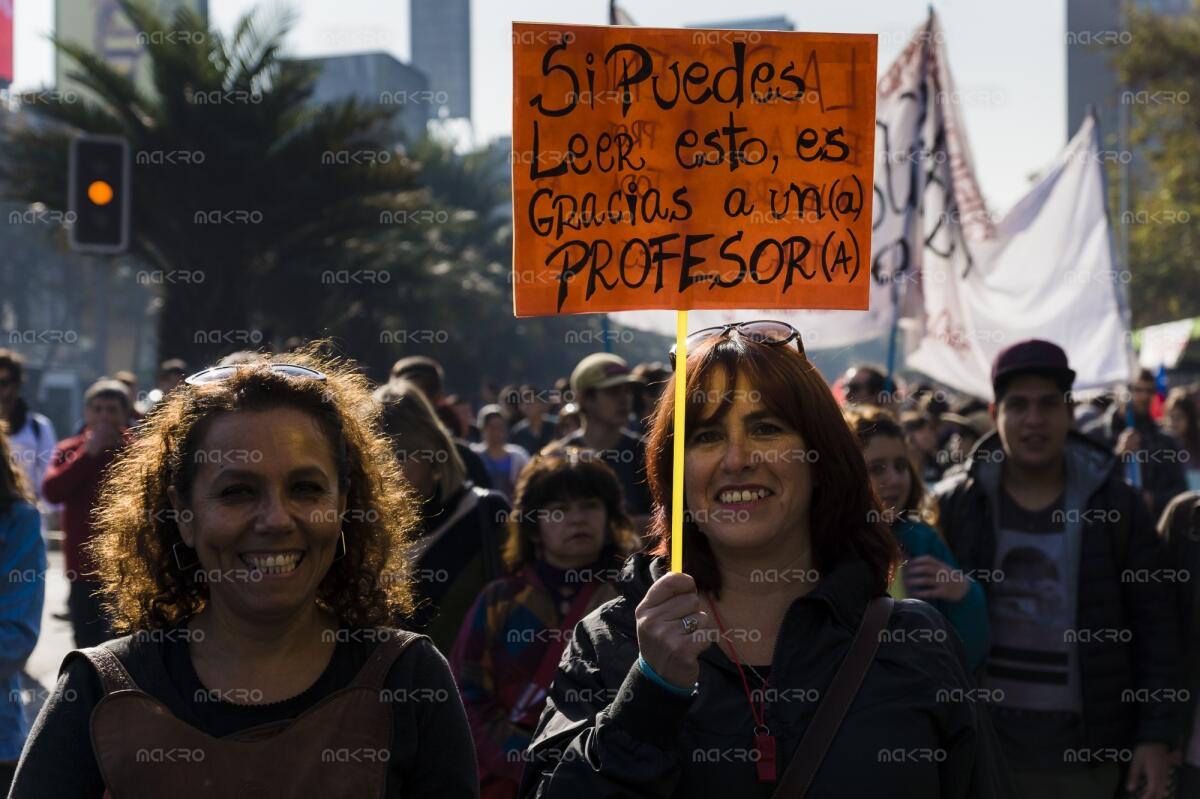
point(677, 461)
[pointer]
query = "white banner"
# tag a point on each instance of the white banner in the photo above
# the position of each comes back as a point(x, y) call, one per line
point(1047, 272)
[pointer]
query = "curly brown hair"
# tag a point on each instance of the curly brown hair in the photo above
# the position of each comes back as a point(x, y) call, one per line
point(136, 526)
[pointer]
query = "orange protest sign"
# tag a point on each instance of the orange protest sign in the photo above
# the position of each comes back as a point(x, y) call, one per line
point(656, 168)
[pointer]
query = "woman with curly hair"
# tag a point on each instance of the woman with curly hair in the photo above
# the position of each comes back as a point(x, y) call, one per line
point(249, 540)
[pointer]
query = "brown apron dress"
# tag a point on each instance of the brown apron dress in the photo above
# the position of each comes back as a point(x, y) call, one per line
point(339, 747)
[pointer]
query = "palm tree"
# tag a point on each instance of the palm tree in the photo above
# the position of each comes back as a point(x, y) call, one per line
point(238, 181)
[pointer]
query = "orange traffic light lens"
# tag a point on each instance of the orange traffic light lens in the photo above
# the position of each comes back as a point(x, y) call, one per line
point(100, 192)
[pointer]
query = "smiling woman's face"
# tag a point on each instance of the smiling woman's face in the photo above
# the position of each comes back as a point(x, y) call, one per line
point(265, 512)
point(747, 478)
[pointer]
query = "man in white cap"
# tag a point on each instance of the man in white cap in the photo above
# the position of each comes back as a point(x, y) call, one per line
point(602, 387)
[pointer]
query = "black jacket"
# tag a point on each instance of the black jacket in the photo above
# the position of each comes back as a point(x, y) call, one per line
point(1117, 591)
point(912, 731)
point(1161, 458)
point(1179, 528)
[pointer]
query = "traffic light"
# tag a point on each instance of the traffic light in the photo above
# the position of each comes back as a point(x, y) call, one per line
point(98, 193)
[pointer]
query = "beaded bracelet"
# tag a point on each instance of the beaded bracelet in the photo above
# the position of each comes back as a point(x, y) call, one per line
point(659, 681)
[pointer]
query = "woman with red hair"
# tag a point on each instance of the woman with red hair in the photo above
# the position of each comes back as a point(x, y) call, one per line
point(708, 682)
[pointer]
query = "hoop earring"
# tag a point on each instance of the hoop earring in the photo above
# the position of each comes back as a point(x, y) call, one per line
point(342, 538)
point(178, 562)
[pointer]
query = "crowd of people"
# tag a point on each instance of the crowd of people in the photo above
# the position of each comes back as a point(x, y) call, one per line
point(287, 579)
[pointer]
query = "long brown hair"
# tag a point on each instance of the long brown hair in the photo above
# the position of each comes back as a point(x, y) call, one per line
point(844, 514)
point(1178, 399)
point(14, 487)
point(417, 433)
point(137, 528)
point(868, 422)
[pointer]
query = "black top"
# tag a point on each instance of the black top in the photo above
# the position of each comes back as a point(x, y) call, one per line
point(523, 436)
point(432, 752)
point(451, 572)
point(476, 471)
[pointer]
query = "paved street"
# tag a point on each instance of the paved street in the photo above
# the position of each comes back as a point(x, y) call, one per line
point(56, 640)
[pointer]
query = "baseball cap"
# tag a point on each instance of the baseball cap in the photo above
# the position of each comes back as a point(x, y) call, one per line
point(1031, 356)
point(600, 370)
point(106, 387)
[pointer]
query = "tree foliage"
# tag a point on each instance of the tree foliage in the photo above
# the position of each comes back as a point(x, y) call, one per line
point(237, 181)
point(1161, 67)
point(292, 219)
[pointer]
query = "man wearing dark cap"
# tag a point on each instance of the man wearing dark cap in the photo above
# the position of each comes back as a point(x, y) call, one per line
point(1084, 646)
point(602, 385)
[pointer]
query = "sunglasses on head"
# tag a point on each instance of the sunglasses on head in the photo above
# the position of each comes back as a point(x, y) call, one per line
point(215, 374)
point(763, 331)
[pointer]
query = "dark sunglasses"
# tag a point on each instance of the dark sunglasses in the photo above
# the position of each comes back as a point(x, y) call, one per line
point(763, 331)
point(215, 374)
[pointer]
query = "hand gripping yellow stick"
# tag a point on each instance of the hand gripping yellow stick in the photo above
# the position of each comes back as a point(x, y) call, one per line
point(677, 460)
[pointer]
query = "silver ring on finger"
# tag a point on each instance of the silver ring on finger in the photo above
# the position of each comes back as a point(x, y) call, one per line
point(689, 624)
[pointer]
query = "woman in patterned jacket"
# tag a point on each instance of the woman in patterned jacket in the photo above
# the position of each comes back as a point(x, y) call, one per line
point(567, 533)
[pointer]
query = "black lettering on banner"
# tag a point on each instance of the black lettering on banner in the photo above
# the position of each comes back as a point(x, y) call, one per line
point(793, 218)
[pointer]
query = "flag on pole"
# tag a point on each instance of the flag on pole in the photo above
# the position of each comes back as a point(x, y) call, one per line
point(1047, 271)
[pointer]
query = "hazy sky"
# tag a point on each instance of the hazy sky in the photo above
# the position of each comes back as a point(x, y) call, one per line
point(1009, 58)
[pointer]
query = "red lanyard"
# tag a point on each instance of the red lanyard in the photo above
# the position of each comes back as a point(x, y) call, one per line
point(764, 741)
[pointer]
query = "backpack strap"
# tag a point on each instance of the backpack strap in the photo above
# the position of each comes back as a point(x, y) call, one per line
point(828, 718)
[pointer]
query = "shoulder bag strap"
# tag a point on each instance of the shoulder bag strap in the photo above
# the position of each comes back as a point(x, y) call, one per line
point(113, 674)
point(828, 718)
